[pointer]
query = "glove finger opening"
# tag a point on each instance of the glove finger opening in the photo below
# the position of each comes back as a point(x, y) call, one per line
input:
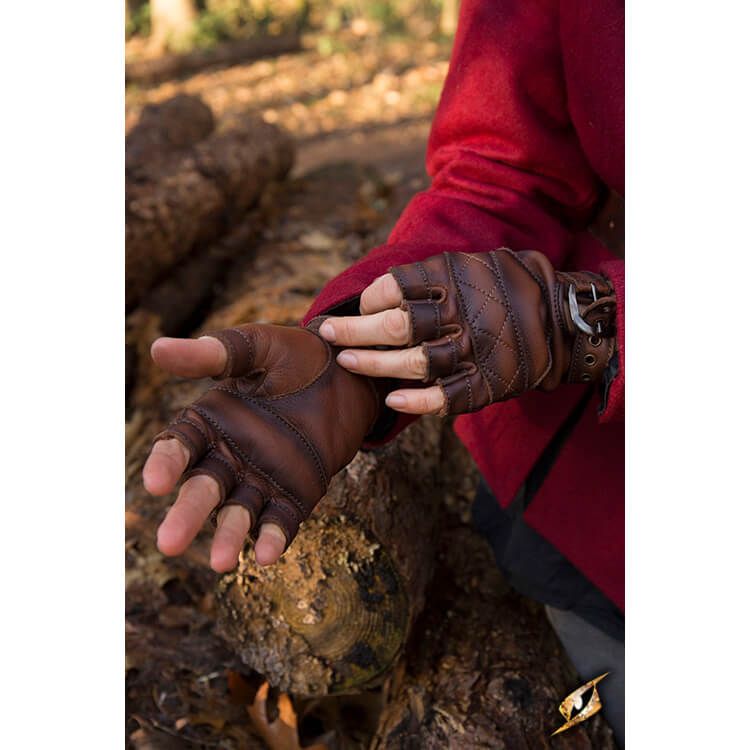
point(240, 352)
point(464, 392)
point(443, 357)
point(250, 496)
point(219, 468)
point(191, 432)
point(281, 512)
point(424, 320)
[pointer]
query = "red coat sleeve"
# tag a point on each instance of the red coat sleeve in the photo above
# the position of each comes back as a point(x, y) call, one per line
point(507, 167)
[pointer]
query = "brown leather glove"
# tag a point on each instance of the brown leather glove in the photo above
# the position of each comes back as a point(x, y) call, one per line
point(496, 324)
point(283, 419)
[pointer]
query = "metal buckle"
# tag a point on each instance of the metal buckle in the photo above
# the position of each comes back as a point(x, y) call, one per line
point(575, 312)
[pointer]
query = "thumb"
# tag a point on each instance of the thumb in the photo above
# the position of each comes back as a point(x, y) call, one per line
point(190, 358)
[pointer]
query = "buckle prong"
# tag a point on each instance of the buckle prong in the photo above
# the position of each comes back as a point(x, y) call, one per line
point(575, 313)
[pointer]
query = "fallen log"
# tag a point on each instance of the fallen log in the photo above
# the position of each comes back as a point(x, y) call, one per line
point(166, 127)
point(334, 614)
point(182, 300)
point(484, 668)
point(310, 228)
point(177, 305)
point(168, 66)
point(191, 197)
point(164, 220)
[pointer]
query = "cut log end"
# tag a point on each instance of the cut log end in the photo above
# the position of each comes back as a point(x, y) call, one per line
point(334, 614)
point(335, 597)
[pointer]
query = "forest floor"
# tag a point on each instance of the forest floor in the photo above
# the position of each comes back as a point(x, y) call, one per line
point(372, 92)
point(360, 118)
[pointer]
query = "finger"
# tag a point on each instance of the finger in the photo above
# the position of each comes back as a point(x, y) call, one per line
point(389, 327)
point(417, 400)
point(382, 294)
point(197, 498)
point(257, 709)
point(270, 545)
point(232, 525)
point(190, 358)
point(395, 363)
point(286, 712)
point(164, 466)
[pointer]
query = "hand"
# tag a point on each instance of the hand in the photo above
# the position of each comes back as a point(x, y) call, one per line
point(478, 328)
point(262, 444)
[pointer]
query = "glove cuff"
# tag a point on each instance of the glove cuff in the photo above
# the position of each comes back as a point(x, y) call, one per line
point(585, 308)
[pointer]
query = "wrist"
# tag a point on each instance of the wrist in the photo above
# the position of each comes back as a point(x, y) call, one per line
point(579, 318)
point(587, 306)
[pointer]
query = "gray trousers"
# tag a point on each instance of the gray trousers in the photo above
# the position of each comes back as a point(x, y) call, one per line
point(593, 653)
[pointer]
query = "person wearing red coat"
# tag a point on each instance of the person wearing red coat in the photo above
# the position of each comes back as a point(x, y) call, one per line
point(526, 143)
point(493, 293)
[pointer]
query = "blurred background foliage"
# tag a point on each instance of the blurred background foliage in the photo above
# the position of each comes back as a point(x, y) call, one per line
point(183, 25)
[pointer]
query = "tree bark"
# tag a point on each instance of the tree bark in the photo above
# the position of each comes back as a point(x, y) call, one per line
point(162, 68)
point(333, 616)
point(191, 196)
point(484, 668)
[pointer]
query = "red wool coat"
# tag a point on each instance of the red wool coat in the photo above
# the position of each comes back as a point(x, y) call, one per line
point(528, 134)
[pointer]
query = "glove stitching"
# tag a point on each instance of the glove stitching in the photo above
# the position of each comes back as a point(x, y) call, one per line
point(246, 504)
point(558, 313)
point(412, 328)
point(488, 296)
point(322, 473)
point(173, 433)
point(485, 363)
point(395, 271)
point(454, 353)
point(215, 455)
point(470, 394)
point(275, 506)
point(197, 425)
point(496, 339)
point(520, 341)
point(436, 310)
point(548, 332)
point(425, 278)
point(427, 350)
point(462, 309)
point(325, 369)
point(482, 362)
point(249, 343)
point(446, 398)
point(534, 275)
point(231, 353)
point(236, 448)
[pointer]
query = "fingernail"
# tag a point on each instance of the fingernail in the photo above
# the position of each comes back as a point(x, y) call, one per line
point(327, 332)
point(395, 400)
point(347, 359)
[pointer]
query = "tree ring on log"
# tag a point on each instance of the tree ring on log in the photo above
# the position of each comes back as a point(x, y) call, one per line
point(337, 599)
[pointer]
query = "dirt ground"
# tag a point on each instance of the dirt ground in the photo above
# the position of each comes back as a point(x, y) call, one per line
point(360, 118)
